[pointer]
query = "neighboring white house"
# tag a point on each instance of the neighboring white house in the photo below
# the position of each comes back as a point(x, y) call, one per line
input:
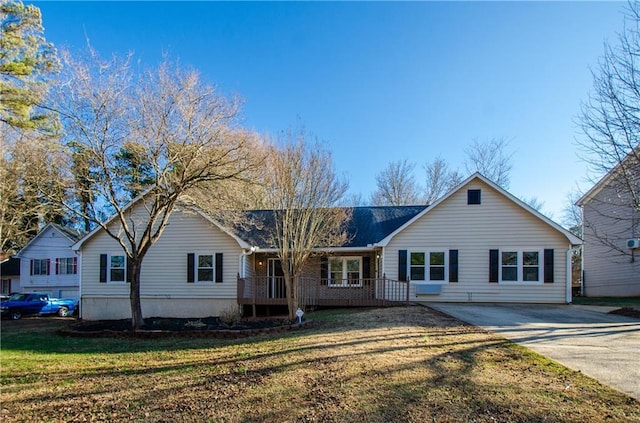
point(611, 231)
point(476, 244)
point(48, 264)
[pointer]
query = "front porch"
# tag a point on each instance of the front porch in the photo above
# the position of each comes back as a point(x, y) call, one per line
point(314, 292)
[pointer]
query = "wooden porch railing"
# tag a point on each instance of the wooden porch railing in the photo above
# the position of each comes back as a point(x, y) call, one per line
point(316, 292)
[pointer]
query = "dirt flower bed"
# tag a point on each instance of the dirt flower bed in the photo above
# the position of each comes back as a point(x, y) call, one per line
point(163, 326)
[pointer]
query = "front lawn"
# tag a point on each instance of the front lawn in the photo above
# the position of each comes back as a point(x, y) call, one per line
point(374, 365)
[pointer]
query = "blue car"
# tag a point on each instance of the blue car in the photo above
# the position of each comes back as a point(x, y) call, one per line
point(30, 303)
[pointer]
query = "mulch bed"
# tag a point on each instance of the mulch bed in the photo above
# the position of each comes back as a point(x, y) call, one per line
point(155, 327)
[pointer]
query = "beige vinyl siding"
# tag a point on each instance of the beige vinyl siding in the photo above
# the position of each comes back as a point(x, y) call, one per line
point(609, 270)
point(164, 269)
point(50, 244)
point(473, 230)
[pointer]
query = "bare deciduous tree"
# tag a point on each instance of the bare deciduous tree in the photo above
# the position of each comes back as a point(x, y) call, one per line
point(572, 214)
point(535, 203)
point(303, 191)
point(610, 122)
point(396, 185)
point(180, 128)
point(439, 179)
point(492, 159)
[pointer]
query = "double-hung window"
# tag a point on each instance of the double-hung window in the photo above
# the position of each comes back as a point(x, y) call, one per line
point(117, 268)
point(345, 271)
point(205, 268)
point(66, 266)
point(40, 267)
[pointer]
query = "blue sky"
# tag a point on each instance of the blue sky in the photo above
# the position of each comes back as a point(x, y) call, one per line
point(382, 81)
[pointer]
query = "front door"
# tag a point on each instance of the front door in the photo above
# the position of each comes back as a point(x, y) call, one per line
point(276, 279)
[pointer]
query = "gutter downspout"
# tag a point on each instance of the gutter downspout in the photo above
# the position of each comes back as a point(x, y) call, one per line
point(569, 293)
point(243, 270)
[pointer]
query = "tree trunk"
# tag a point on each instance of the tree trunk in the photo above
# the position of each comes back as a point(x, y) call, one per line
point(289, 282)
point(137, 322)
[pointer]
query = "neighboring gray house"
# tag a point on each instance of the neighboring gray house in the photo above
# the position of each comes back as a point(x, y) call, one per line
point(48, 264)
point(611, 232)
point(476, 244)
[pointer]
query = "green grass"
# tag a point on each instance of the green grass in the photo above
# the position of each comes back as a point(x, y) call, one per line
point(375, 365)
point(608, 301)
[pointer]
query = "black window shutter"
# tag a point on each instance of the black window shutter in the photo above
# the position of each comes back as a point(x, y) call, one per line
point(402, 265)
point(191, 262)
point(48, 266)
point(493, 265)
point(103, 268)
point(366, 267)
point(129, 275)
point(31, 270)
point(453, 265)
point(548, 266)
point(324, 270)
point(219, 267)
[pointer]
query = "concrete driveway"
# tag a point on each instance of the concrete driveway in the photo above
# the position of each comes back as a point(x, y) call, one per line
point(603, 346)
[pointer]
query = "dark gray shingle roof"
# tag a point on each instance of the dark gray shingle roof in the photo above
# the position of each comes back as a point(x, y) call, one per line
point(73, 234)
point(367, 226)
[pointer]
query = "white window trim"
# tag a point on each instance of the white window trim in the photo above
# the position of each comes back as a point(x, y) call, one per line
point(427, 266)
point(58, 264)
point(196, 276)
point(47, 267)
point(520, 279)
point(122, 282)
point(344, 282)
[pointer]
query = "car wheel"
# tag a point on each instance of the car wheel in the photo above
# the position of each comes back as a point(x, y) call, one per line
point(16, 315)
point(63, 312)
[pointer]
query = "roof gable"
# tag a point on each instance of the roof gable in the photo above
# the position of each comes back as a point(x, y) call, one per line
point(574, 240)
point(241, 242)
point(608, 177)
point(72, 235)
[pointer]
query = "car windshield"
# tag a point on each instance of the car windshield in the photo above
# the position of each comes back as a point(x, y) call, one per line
point(18, 297)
